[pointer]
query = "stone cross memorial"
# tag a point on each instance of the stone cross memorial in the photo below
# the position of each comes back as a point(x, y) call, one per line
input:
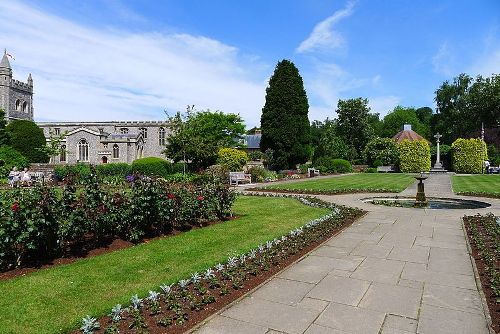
point(438, 166)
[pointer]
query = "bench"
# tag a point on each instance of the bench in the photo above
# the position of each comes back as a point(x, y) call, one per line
point(312, 172)
point(386, 169)
point(236, 178)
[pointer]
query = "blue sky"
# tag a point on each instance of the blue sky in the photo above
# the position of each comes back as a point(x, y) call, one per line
point(131, 60)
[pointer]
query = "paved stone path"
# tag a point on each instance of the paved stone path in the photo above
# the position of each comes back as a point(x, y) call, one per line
point(395, 271)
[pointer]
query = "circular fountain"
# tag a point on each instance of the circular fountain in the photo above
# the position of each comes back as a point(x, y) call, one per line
point(422, 202)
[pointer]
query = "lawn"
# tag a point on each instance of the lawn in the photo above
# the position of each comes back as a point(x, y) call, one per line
point(387, 182)
point(488, 185)
point(54, 300)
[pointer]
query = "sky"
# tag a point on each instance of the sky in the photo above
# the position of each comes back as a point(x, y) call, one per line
point(98, 60)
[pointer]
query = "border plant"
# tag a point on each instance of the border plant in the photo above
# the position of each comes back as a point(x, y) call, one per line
point(484, 236)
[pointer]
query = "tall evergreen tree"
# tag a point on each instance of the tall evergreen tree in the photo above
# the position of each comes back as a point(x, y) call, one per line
point(4, 137)
point(284, 121)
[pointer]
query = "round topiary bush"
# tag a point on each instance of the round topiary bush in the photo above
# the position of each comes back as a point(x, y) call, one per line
point(11, 158)
point(341, 166)
point(152, 166)
point(232, 159)
point(27, 138)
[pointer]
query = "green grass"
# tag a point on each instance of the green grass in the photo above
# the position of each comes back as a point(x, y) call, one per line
point(477, 184)
point(389, 182)
point(54, 300)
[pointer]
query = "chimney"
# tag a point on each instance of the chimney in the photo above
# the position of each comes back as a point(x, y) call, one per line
point(406, 127)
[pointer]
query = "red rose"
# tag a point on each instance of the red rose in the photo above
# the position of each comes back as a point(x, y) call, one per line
point(170, 196)
point(200, 198)
point(15, 207)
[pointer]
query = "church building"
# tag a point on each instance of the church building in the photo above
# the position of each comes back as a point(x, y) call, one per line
point(90, 142)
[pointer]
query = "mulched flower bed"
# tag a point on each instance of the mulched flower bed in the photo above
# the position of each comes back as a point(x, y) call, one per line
point(90, 248)
point(484, 237)
point(178, 307)
point(320, 192)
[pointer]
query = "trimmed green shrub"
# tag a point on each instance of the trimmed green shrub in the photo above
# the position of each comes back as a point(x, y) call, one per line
point(341, 166)
point(232, 159)
point(303, 167)
point(27, 138)
point(11, 158)
point(258, 173)
point(120, 169)
point(152, 166)
point(466, 155)
point(257, 155)
point(329, 165)
point(381, 152)
point(414, 156)
point(371, 170)
point(78, 172)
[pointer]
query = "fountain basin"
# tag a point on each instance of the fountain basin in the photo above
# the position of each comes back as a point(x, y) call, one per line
point(432, 203)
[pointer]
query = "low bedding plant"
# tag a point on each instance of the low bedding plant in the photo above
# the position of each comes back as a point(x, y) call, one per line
point(484, 234)
point(173, 304)
point(40, 223)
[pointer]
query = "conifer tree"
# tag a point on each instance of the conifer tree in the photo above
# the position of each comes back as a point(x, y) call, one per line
point(284, 121)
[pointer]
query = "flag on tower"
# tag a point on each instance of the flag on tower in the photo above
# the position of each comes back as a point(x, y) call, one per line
point(9, 55)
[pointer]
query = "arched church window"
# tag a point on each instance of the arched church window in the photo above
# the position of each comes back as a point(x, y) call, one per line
point(18, 105)
point(25, 106)
point(116, 151)
point(144, 132)
point(161, 136)
point(83, 150)
point(62, 153)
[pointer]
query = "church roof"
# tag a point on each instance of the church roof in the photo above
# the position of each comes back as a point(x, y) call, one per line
point(407, 133)
point(5, 61)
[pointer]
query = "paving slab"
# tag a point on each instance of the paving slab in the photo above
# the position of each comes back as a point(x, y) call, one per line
point(283, 291)
point(351, 319)
point(419, 272)
point(418, 254)
point(436, 320)
point(289, 319)
point(450, 260)
point(393, 299)
point(371, 249)
point(220, 324)
point(400, 323)
point(330, 251)
point(316, 329)
point(464, 300)
point(379, 270)
point(340, 290)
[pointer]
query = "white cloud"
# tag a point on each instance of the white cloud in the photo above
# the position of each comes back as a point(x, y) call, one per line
point(383, 104)
point(323, 36)
point(326, 83)
point(443, 60)
point(486, 65)
point(81, 73)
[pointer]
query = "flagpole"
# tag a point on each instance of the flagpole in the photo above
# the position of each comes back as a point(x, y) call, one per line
point(482, 148)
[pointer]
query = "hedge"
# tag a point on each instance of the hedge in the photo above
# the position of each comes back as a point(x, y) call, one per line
point(11, 158)
point(466, 155)
point(329, 165)
point(232, 159)
point(414, 156)
point(120, 169)
point(153, 166)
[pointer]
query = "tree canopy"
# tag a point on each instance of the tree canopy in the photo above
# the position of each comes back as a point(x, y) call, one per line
point(394, 121)
point(354, 124)
point(284, 121)
point(197, 136)
point(465, 103)
point(27, 138)
point(4, 137)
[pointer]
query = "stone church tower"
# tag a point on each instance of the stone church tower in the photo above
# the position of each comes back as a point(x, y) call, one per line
point(16, 97)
